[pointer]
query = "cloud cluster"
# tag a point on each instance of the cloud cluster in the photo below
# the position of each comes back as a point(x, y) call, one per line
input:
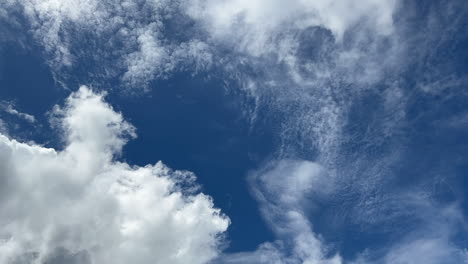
point(311, 60)
point(139, 41)
point(81, 205)
point(125, 39)
point(316, 67)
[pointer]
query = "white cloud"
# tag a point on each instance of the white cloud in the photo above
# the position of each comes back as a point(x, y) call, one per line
point(128, 38)
point(284, 190)
point(49, 17)
point(267, 253)
point(314, 94)
point(311, 60)
point(3, 127)
point(153, 59)
point(9, 108)
point(82, 201)
point(134, 34)
point(254, 25)
point(426, 250)
point(432, 242)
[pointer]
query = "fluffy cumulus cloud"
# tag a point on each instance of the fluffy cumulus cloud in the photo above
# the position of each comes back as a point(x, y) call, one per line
point(80, 205)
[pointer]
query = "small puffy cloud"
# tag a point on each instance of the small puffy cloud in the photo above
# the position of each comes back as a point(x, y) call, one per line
point(82, 206)
point(9, 108)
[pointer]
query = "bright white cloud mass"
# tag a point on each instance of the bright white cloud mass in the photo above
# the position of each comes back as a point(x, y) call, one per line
point(81, 201)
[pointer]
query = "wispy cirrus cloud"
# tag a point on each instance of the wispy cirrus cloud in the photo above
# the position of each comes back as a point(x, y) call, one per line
point(127, 40)
point(431, 242)
point(284, 191)
point(290, 193)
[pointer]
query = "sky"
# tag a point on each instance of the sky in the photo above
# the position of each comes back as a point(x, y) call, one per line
point(233, 132)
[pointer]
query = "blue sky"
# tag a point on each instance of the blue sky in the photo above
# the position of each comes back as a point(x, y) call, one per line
point(233, 131)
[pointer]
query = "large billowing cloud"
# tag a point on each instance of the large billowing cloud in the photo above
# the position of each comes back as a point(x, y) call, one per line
point(81, 204)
